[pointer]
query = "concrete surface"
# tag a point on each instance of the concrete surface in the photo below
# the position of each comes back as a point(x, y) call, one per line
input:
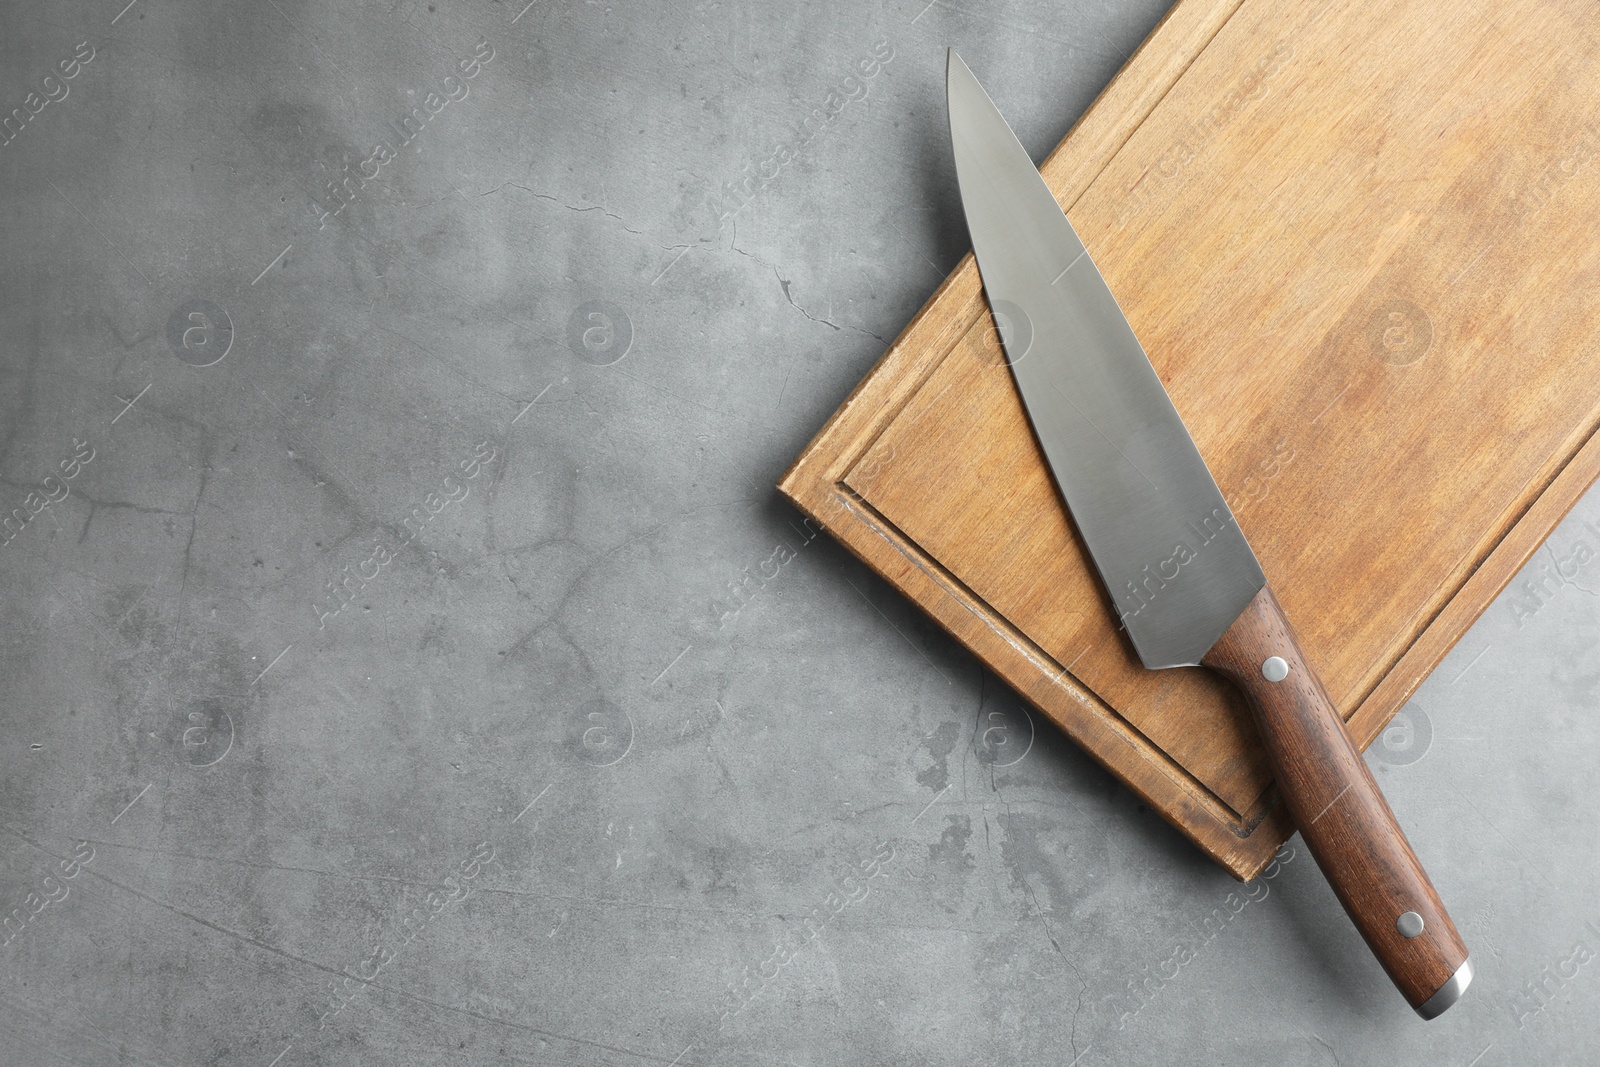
point(375, 687)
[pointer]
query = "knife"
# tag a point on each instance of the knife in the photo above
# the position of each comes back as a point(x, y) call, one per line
point(1181, 576)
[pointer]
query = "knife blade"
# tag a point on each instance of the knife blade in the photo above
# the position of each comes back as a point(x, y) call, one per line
point(1180, 573)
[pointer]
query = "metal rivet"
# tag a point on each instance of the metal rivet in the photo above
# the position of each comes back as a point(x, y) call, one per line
point(1409, 924)
point(1275, 669)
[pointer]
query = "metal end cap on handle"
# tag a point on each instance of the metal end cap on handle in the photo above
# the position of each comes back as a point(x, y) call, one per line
point(1448, 993)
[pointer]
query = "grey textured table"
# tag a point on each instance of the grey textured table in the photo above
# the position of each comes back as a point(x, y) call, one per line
point(406, 658)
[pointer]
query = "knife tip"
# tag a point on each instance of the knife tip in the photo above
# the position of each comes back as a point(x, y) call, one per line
point(954, 66)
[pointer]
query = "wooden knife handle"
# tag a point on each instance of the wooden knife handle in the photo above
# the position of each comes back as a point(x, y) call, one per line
point(1340, 812)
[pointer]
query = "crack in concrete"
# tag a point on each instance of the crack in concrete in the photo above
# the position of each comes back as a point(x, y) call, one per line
point(784, 284)
point(563, 203)
point(140, 508)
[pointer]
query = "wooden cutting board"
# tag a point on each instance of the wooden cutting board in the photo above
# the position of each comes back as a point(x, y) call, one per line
point(1356, 241)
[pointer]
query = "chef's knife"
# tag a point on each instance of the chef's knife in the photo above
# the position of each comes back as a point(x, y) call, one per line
point(1181, 576)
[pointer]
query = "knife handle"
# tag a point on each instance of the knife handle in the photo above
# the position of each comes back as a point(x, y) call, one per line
point(1340, 811)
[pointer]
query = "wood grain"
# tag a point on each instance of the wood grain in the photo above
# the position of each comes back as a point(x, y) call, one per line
point(1341, 813)
point(1354, 243)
